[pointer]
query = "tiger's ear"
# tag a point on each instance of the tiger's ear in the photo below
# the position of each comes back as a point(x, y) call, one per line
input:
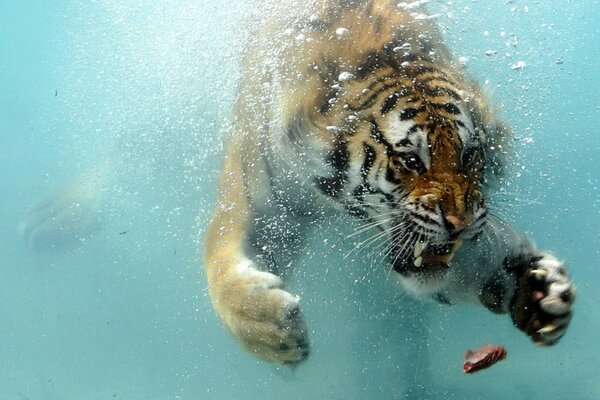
point(495, 135)
point(498, 147)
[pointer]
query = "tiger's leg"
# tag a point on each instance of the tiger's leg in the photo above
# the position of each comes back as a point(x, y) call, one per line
point(251, 302)
point(509, 275)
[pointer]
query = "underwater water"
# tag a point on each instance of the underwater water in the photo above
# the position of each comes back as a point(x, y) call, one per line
point(112, 111)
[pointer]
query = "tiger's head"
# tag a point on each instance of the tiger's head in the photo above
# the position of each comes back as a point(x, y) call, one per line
point(411, 166)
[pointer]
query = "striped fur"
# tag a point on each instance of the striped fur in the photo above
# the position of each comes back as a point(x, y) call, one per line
point(357, 105)
point(377, 112)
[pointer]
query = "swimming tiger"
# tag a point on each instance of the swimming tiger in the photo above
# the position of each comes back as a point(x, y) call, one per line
point(357, 108)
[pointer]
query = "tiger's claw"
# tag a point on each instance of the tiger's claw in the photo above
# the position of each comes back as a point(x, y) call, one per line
point(542, 306)
point(539, 274)
point(547, 329)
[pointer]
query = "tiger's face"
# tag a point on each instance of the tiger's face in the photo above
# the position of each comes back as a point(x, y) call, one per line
point(437, 165)
point(415, 175)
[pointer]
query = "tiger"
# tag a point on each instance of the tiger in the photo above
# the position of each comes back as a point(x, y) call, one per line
point(357, 110)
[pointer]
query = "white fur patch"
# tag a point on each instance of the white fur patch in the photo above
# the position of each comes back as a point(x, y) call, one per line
point(418, 287)
point(397, 131)
point(247, 270)
point(466, 133)
point(557, 284)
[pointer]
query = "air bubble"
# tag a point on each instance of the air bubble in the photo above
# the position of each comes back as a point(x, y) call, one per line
point(519, 65)
point(344, 76)
point(342, 32)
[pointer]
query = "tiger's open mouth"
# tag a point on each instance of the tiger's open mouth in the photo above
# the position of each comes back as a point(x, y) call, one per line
point(428, 257)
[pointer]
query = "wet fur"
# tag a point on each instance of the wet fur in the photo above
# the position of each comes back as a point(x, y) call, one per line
point(325, 119)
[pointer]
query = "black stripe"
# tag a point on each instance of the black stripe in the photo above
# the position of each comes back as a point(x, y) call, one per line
point(409, 113)
point(338, 159)
point(370, 156)
point(371, 63)
point(448, 107)
point(390, 176)
point(442, 91)
point(375, 94)
point(387, 58)
point(406, 142)
point(396, 61)
point(409, 100)
point(422, 69)
point(360, 191)
point(382, 80)
point(414, 129)
point(419, 73)
point(329, 71)
point(378, 137)
point(434, 80)
point(389, 103)
point(391, 201)
point(424, 218)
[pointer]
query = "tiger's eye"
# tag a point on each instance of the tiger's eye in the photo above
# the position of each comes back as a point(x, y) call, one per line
point(412, 162)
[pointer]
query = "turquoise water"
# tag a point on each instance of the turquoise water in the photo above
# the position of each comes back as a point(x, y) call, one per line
point(128, 97)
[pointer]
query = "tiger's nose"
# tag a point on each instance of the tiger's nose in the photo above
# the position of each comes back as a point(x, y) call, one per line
point(455, 224)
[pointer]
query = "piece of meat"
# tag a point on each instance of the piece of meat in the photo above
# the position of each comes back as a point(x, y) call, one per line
point(483, 358)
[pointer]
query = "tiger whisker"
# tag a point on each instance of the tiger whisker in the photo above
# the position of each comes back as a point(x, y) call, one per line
point(401, 237)
point(396, 234)
point(385, 254)
point(388, 234)
point(408, 245)
point(362, 228)
point(365, 243)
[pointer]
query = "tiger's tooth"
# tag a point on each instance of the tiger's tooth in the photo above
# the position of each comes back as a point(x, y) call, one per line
point(547, 329)
point(450, 255)
point(456, 246)
point(418, 262)
point(539, 274)
point(419, 247)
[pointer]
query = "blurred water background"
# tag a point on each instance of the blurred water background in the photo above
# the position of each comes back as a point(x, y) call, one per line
point(129, 97)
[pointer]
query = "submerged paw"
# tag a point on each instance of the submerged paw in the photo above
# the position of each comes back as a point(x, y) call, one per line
point(266, 320)
point(279, 335)
point(542, 306)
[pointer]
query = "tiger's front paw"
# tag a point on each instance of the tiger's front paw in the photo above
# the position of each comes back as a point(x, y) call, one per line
point(263, 317)
point(543, 300)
